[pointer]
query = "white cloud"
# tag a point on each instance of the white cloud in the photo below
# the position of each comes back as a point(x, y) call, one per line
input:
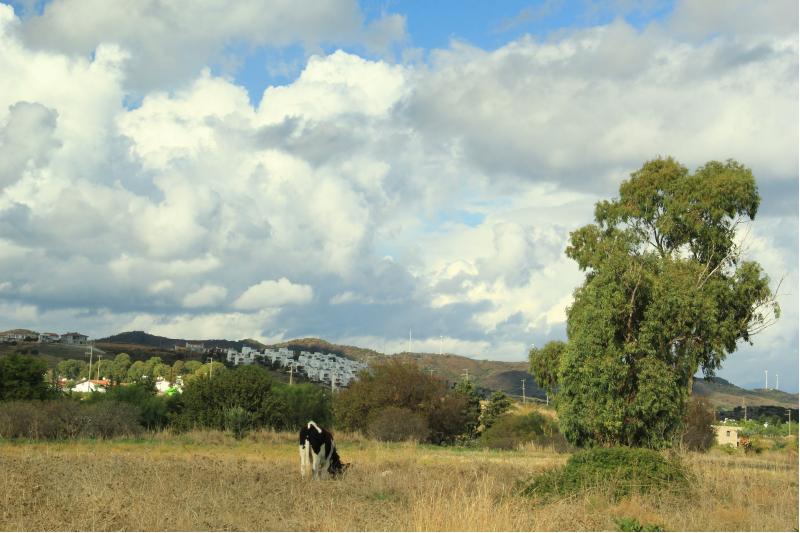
point(469, 171)
point(274, 293)
point(171, 41)
point(206, 296)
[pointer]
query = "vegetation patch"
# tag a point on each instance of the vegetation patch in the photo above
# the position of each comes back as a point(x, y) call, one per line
point(510, 431)
point(632, 524)
point(621, 470)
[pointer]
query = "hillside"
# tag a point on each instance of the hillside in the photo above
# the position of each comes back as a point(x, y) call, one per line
point(491, 375)
point(725, 395)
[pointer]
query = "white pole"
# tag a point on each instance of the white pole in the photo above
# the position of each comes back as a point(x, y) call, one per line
point(523, 391)
point(441, 343)
point(776, 381)
point(409, 341)
point(766, 380)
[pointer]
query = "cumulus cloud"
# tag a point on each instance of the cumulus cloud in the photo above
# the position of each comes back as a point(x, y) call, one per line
point(205, 296)
point(274, 293)
point(437, 196)
point(172, 41)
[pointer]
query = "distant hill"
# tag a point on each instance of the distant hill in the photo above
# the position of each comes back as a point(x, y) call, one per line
point(493, 375)
point(165, 343)
point(725, 395)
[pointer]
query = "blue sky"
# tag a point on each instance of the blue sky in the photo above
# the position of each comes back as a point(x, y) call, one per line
point(351, 170)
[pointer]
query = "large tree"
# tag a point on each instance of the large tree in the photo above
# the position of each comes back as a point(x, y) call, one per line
point(666, 294)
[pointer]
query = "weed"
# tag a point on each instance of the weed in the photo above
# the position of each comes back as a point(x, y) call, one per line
point(632, 524)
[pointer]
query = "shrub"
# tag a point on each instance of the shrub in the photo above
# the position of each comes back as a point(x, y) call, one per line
point(237, 421)
point(65, 418)
point(297, 404)
point(205, 398)
point(396, 424)
point(450, 414)
point(154, 412)
point(509, 431)
point(497, 405)
point(622, 470)
point(22, 378)
point(698, 435)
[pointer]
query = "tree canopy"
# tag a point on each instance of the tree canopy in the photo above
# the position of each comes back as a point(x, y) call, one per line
point(666, 294)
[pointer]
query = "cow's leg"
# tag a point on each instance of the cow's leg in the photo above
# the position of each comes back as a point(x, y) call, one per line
point(304, 460)
point(319, 459)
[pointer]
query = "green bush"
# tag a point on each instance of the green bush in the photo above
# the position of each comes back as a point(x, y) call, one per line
point(395, 424)
point(300, 403)
point(509, 431)
point(66, 418)
point(619, 469)
point(155, 412)
point(237, 421)
point(206, 398)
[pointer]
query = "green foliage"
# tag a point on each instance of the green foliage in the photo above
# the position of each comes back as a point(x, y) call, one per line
point(119, 369)
point(698, 435)
point(510, 431)
point(395, 424)
point(23, 378)
point(237, 421)
point(154, 412)
point(249, 387)
point(301, 403)
point(498, 404)
point(472, 408)
point(71, 368)
point(632, 524)
point(545, 363)
point(621, 470)
point(666, 294)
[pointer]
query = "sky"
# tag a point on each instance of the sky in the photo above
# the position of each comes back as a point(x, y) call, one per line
point(362, 172)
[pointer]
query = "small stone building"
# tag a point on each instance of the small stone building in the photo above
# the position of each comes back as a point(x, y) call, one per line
point(727, 435)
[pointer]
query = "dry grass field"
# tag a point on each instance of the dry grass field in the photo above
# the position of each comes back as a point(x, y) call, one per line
point(209, 481)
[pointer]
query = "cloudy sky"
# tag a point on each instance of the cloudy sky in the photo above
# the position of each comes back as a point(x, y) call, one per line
point(276, 169)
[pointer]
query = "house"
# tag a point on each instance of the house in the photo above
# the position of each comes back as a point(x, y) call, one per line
point(74, 338)
point(49, 337)
point(94, 385)
point(727, 435)
point(18, 335)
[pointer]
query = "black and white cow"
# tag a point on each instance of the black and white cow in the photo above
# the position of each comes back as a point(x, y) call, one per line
point(318, 452)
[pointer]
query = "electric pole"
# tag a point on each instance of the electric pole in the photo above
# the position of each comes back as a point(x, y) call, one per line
point(90, 363)
point(466, 374)
point(523, 391)
point(766, 380)
point(409, 341)
point(776, 382)
point(291, 369)
point(333, 384)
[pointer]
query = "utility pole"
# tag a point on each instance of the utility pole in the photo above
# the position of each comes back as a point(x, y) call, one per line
point(409, 341)
point(766, 380)
point(211, 368)
point(291, 369)
point(333, 384)
point(466, 374)
point(431, 370)
point(99, 357)
point(776, 382)
point(523, 391)
point(90, 363)
point(441, 343)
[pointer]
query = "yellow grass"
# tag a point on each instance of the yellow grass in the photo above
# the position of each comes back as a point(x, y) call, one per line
point(208, 481)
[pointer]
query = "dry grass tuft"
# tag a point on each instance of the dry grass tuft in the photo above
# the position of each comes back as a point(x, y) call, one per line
point(209, 481)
